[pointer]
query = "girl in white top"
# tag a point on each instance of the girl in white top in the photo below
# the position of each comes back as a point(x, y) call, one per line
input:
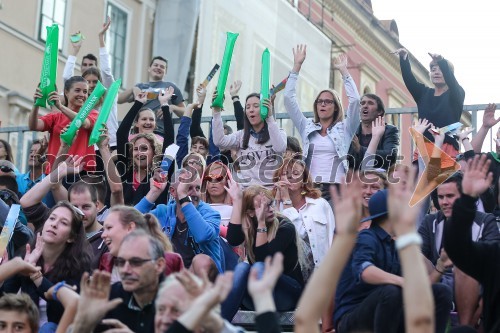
point(257, 146)
point(312, 215)
point(327, 138)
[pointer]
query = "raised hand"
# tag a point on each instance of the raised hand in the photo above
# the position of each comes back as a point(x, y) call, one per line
point(340, 62)
point(464, 133)
point(235, 87)
point(267, 103)
point(421, 125)
point(54, 97)
point(38, 94)
point(32, 256)
point(489, 116)
point(72, 165)
point(378, 127)
point(272, 272)
point(75, 47)
point(477, 179)
point(165, 95)
point(402, 214)
point(94, 300)
point(402, 53)
point(261, 208)
point(299, 55)
point(103, 138)
point(347, 206)
point(105, 27)
point(234, 190)
point(438, 136)
point(140, 96)
point(214, 108)
point(201, 92)
point(435, 57)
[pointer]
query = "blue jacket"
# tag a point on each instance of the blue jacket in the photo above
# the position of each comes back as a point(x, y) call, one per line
point(203, 225)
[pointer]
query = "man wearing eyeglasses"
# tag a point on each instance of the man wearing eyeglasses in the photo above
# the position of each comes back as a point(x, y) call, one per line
point(141, 264)
point(191, 224)
point(372, 107)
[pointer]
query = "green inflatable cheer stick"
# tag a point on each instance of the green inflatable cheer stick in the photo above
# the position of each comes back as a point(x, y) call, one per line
point(49, 65)
point(88, 106)
point(226, 62)
point(105, 110)
point(264, 83)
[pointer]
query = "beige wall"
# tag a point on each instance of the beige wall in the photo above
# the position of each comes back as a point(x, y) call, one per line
point(22, 52)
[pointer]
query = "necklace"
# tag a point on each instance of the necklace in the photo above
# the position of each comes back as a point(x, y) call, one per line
point(179, 230)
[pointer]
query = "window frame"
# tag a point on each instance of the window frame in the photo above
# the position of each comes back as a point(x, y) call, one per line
point(128, 14)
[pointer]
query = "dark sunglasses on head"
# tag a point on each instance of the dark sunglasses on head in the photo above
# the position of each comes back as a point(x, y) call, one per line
point(133, 262)
point(6, 169)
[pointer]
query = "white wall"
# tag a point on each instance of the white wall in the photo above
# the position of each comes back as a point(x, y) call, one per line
point(274, 24)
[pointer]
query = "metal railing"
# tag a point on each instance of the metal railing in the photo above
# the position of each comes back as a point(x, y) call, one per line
point(23, 136)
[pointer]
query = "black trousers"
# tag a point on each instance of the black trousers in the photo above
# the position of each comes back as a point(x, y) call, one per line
point(382, 311)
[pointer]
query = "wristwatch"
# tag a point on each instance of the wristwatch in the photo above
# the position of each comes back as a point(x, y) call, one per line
point(185, 199)
point(262, 230)
point(287, 202)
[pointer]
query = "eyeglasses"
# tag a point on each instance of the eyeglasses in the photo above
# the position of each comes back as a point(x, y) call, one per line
point(194, 162)
point(6, 169)
point(133, 262)
point(213, 178)
point(325, 101)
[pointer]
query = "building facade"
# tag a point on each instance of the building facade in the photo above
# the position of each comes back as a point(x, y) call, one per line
point(192, 35)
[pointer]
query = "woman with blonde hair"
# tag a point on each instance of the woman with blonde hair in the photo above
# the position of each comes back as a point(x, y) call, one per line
point(311, 215)
point(327, 138)
point(263, 232)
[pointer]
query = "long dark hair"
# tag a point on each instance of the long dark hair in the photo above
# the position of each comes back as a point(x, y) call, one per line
point(247, 126)
point(77, 256)
point(8, 150)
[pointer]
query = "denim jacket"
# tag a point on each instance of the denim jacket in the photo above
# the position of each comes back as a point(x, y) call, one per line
point(203, 225)
point(341, 133)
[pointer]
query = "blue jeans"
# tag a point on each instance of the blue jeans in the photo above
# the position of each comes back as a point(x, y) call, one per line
point(286, 293)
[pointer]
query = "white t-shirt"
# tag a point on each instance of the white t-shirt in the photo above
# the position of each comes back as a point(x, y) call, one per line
point(224, 211)
point(326, 166)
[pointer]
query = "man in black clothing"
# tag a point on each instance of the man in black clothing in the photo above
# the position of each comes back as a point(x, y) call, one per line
point(372, 107)
point(83, 196)
point(484, 228)
point(480, 260)
point(141, 264)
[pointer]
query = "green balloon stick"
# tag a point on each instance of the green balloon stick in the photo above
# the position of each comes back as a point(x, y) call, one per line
point(105, 110)
point(49, 65)
point(224, 70)
point(85, 110)
point(264, 82)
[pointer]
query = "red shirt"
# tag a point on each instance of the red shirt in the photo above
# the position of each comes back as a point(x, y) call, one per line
point(54, 123)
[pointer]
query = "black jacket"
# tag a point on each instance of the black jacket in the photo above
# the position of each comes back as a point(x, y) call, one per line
point(387, 149)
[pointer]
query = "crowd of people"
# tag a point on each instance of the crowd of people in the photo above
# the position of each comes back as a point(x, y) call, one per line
point(326, 225)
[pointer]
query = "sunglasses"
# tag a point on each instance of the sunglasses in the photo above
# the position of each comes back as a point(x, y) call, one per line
point(133, 262)
point(6, 169)
point(214, 178)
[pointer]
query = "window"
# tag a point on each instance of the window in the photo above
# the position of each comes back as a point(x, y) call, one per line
point(52, 12)
point(116, 39)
